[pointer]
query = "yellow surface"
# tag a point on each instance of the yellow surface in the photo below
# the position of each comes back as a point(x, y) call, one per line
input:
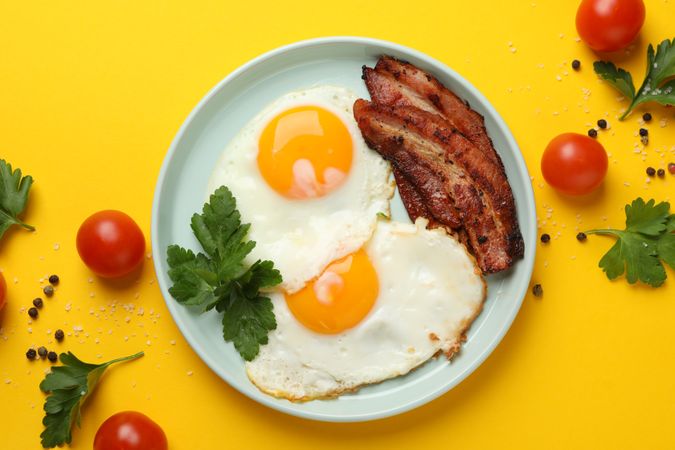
point(91, 95)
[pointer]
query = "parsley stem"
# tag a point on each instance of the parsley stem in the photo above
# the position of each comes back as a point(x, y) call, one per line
point(126, 358)
point(632, 105)
point(25, 225)
point(602, 231)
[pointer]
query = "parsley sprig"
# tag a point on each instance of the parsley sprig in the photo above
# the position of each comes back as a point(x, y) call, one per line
point(13, 196)
point(658, 85)
point(648, 239)
point(219, 278)
point(69, 386)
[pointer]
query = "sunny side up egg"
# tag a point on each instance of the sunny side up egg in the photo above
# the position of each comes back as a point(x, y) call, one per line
point(306, 181)
point(374, 315)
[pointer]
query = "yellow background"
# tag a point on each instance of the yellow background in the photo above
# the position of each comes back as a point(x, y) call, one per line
point(91, 95)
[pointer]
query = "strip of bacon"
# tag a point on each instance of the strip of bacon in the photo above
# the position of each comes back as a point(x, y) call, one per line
point(442, 100)
point(404, 134)
point(415, 206)
point(399, 84)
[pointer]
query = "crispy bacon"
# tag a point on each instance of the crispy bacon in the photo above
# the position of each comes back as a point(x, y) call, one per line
point(414, 205)
point(425, 104)
point(411, 138)
point(438, 99)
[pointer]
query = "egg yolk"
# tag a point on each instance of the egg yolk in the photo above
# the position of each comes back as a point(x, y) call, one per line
point(339, 298)
point(305, 152)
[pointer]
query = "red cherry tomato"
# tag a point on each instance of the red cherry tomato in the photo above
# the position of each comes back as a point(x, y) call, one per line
point(3, 291)
point(130, 430)
point(574, 164)
point(110, 243)
point(609, 25)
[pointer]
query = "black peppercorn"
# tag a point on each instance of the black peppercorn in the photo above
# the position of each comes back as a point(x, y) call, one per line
point(661, 173)
point(576, 64)
point(54, 279)
point(602, 123)
point(646, 117)
point(651, 171)
point(48, 290)
point(37, 302)
point(42, 351)
point(545, 238)
point(31, 353)
point(644, 132)
point(593, 133)
point(581, 236)
point(59, 335)
point(52, 356)
point(537, 290)
point(33, 312)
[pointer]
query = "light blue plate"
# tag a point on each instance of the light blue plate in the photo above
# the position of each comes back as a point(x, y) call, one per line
point(181, 189)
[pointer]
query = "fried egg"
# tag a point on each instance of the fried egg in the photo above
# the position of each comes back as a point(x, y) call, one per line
point(375, 314)
point(306, 181)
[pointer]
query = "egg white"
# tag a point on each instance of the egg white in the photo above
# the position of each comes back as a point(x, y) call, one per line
point(430, 292)
point(302, 237)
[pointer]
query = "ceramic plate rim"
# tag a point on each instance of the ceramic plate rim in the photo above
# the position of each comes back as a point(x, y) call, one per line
point(527, 203)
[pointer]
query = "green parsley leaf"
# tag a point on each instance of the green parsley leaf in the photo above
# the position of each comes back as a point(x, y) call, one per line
point(69, 386)
point(618, 78)
point(193, 276)
point(13, 197)
point(220, 279)
point(657, 85)
point(670, 226)
point(647, 239)
point(247, 322)
point(666, 243)
point(662, 64)
point(636, 253)
point(646, 218)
